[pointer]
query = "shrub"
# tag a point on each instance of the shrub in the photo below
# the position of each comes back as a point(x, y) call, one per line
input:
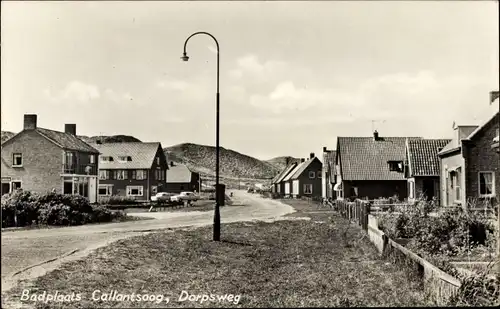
point(23, 208)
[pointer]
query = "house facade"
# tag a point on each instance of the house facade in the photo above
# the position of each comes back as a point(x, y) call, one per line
point(42, 160)
point(134, 170)
point(306, 179)
point(422, 168)
point(180, 178)
point(470, 165)
point(286, 183)
point(371, 167)
point(328, 174)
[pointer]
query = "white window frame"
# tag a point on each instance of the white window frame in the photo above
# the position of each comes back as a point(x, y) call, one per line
point(122, 159)
point(11, 189)
point(139, 188)
point(411, 189)
point(109, 190)
point(92, 159)
point(124, 174)
point(104, 159)
point(308, 185)
point(17, 155)
point(312, 174)
point(106, 174)
point(456, 185)
point(493, 193)
point(142, 174)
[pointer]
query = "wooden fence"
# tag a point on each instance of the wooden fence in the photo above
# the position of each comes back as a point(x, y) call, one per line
point(439, 285)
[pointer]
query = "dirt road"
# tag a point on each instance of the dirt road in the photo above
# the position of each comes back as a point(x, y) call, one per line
point(31, 253)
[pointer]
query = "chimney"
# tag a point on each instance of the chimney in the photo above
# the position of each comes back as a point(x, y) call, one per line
point(98, 142)
point(311, 155)
point(287, 161)
point(324, 149)
point(302, 160)
point(171, 163)
point(29, 121)
point(375, 135)
point(70, 128)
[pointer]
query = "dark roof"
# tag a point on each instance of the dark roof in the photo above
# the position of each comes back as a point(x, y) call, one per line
point(142, 154)
point(178, 173)
point(286, 172)
point(66, 140)
point(303, 166)
point(364, 158)
point(423, 156)
point(479, 128)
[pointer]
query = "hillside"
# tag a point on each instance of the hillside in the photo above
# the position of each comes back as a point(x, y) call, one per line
point(110, 139)
point(6, 135)
point(89, 139)
point(280, 162)
point(201, 159)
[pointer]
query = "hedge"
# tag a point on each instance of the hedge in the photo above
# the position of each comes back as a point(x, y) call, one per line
point(24, 208)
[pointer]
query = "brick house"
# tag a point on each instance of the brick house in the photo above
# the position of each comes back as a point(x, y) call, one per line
point(306, 179)
point(469, 166)
point(328, 174)
point(136, 170)
point(181, 178)
point(422, 169)
point(42, 160)
point(371, 167)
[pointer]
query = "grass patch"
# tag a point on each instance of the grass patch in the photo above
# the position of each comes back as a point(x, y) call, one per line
point(282, 264)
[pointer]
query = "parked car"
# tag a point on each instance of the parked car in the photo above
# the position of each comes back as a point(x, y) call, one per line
point(162, 197)
point(185, 196)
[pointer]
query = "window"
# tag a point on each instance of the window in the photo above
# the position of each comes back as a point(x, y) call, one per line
point(123, 159)
point(140, 174)
point(17, 160)
point(395, 166)
point(157, 160)
point(160, 175)
point(455, 184)
point(16, 185)
point(319, 174)
point(312, 174)
point(105, 190)
point(121, 174)
point(103, 174)
point(91, 159)
point(308, 188)
point(134, 191)
point(486, 184)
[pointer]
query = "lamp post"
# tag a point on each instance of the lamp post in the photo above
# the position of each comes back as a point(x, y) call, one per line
point(217, 191)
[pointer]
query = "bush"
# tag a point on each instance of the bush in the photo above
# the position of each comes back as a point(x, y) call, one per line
point(22, 208)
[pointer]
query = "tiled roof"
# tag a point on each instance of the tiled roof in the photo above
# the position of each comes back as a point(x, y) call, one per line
point(178, 173)
point(143, 155)
point(423, 156)
point(363, 158)
point(66, 140)
point(287, 172)
point(303, 167)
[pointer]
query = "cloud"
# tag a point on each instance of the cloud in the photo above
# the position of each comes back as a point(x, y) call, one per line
point(80, 92)
point(250, 65)
point(75, 90)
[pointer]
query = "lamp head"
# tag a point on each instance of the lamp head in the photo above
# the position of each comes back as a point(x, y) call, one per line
point(185, 57)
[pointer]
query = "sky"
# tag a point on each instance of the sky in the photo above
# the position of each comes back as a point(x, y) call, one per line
point(293, 75)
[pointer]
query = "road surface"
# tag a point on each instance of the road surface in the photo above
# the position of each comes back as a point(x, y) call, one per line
point(27, 254)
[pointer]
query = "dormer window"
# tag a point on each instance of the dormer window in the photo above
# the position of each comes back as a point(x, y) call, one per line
point(123, 159)
point(106, 159)
point(396, 166)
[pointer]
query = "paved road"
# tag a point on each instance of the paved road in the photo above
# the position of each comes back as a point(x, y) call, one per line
point(31, 253)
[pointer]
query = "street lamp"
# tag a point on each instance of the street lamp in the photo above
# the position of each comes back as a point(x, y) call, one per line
point(217, 191)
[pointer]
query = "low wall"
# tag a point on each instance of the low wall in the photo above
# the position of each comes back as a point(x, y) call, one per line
point(439, 285)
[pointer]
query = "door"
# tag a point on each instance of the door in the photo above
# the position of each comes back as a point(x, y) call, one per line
point(428, 188)
point(92, 194)
point(5, 188)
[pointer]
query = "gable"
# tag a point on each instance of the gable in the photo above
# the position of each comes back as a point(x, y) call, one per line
point(491, 123)
point(305, 166)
